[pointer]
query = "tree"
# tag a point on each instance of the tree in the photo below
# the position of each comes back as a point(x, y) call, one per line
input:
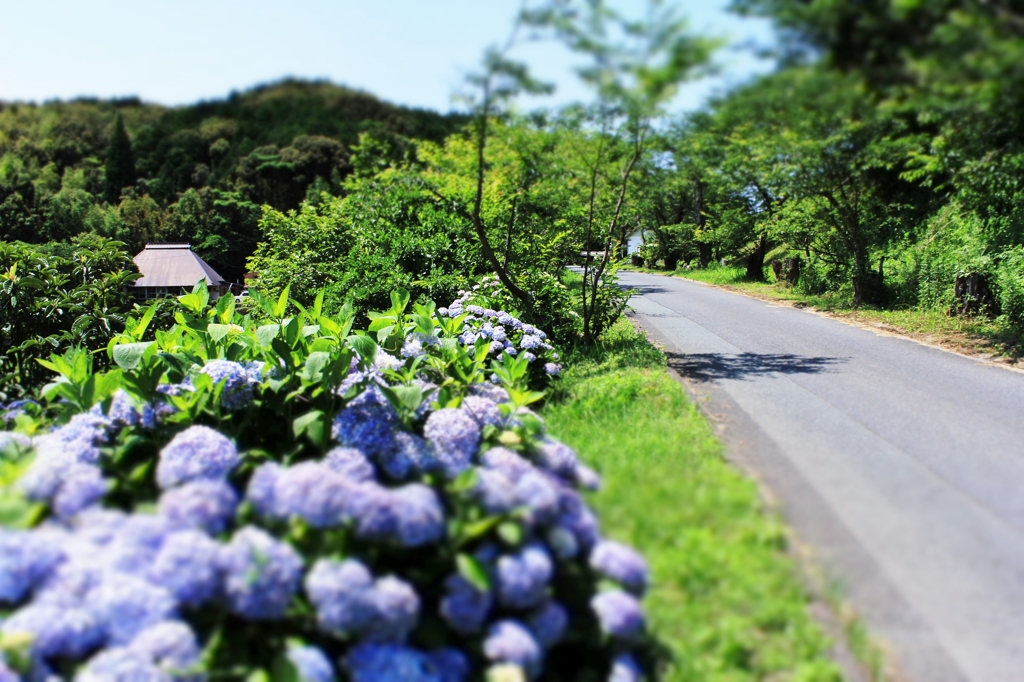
point(120, 162)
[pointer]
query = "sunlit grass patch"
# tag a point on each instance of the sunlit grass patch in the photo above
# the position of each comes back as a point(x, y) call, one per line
point(726, 599)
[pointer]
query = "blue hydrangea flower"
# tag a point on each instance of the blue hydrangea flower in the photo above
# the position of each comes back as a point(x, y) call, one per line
point(495, 492)
point(397, 611)
point(187, 567)
point(204, 504)
point(539, 495)
point(56, 630)
point(625, 669)
point(562, 542)
point(136, 543)
point(456, 437)
point(26, 559)
point(505, 319)
point(469, 337)
point(10, 438)
point(121, 665)
point(172, 647)
point(419, 514)
point(451, 663)
point(529, 329)
point(409, 454)
point(508, 462)
point(237, 391)
point(367, 423)
point(376, 517)
point(125, 605)
point(530, 357)
point(6, 674)
point(390, 663)
point(464, 607)
point(122, 410)
point(315, 493)
point(484, 411)
point(577, 518)
point(509, 641)
point(548, 623)
point(622, 564)
point(523, 577)
point(619, 614)
point(261, 574)
point(490, 391)
point(311, 664)
point(196, 453)
point(558, 458)
point(59, 451)
point(475, 309)
point(261, 489)
point(82, 487)
point(552, 369)
point(498, 334)
point(413, 348)
point(98, 526)
point(350, 463)
point(497, 347)
point(529, 342)
point(342, 592)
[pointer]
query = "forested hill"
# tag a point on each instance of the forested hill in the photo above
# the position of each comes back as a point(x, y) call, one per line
point(142, 172)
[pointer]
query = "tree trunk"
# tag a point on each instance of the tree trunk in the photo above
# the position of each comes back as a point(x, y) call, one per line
point(755, 262)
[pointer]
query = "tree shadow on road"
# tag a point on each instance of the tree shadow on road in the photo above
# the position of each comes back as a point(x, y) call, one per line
point(712, 366)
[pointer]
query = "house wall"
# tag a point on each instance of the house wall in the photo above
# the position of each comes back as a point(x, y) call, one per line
point(635, 241)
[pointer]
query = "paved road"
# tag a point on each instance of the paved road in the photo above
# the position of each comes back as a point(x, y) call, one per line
point(901, 464)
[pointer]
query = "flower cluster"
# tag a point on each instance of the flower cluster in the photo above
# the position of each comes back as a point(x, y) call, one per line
point(503, 331)
point(433, 542)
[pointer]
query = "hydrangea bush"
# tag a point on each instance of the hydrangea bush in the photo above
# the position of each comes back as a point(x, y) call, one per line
point(276, 497)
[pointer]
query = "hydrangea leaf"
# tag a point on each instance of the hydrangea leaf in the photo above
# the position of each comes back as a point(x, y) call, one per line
point(267, 333)
point(473, 571)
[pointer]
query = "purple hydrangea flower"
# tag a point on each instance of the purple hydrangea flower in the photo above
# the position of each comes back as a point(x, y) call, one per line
point(311, 664)
point(376, 518)
point(451, 663)
point(171, 646)
point(619, 614)
point(454, 310)
point(625, 669)
point(622, 564)
point(56, 630)
point(562, 542)
point(523, 577)
point(237, 385)
point(464, 608)
point(350, 463)
point(390, 663)
point(121, 665)
point(125, 605)
point(83, 486)
point(469, 337)
point(530, 357)
point(456, 437)
point(196, 453)
point(505, 319)
point(261, 574)
point(408, 454)
point(204, 504)
point(498, 334)
point(552, 369)
point(342, 594)
point(60, 451)
point(9, 438)
point(548, 623)
point(187, 566)
point(367, 423)
point(475, 309)
point(508, 641)
point(558, 458)
point(397, 611)
point(484, 411)
point(136, 543)
point(26, 559)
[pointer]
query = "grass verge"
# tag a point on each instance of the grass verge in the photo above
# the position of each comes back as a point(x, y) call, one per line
point(977, 336)
point(726, 598)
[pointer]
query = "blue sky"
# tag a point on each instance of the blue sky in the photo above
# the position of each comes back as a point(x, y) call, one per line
point(413, 52)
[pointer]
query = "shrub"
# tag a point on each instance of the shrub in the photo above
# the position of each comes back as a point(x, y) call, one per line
point(272, 496)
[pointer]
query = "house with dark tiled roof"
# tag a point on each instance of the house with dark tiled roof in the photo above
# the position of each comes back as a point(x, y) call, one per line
point(173, 269)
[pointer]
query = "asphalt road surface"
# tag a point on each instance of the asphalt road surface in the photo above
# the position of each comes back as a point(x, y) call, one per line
point(902, 465)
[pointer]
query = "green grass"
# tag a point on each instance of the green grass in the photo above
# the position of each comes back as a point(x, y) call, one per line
point(726, 598)
point(966, 334)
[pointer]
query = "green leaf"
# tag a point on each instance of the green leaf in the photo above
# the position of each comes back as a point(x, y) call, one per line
point(301, 424)
point(218, 331)
point(313, 370)
point(473, 571)
point(282, 302)
point(512, 533)
point(363, 345)
point(128, 356)
point(267, 333)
